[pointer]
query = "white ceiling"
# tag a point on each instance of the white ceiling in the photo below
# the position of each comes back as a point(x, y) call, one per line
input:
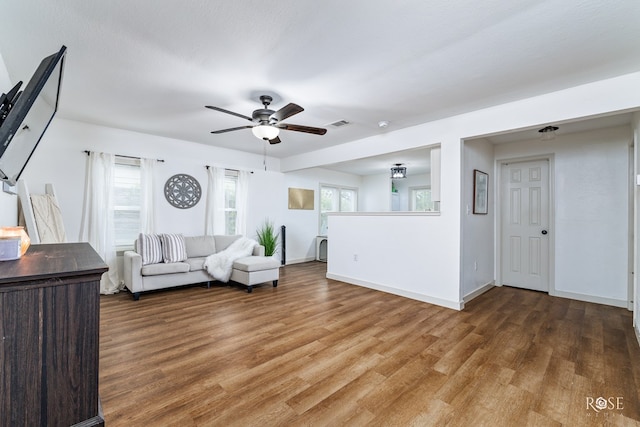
point(585, 125)
point(152, 65)
point(417, 161)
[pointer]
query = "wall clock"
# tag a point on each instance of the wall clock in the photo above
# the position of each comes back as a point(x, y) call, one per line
point(182, 191)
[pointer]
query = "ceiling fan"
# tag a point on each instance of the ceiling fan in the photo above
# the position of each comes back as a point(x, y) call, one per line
point(267, 122)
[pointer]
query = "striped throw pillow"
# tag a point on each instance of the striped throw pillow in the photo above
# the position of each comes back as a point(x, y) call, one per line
point(150, 248)
point(173, 248)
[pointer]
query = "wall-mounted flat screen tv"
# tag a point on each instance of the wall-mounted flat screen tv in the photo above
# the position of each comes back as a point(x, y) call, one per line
point(27, 116)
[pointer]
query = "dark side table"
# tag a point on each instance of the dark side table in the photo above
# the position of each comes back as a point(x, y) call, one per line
point(49, 336)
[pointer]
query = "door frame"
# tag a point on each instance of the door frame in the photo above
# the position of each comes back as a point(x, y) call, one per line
point(498, 224)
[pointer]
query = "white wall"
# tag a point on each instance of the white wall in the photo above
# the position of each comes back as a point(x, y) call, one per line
point(303, 225)
point(591, 224)
point(593, 99)
point(477, 230)
point(8, 202)
point(376, 193)
point(60, 159)
point(636, 229)
point(425, 261)
point(5, 81)
point(395, 253)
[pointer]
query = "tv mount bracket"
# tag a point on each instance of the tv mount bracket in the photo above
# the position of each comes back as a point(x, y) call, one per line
point(8, 100)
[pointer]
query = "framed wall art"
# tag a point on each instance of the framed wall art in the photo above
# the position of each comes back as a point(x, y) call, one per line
point(300, 198)
point(480, 192)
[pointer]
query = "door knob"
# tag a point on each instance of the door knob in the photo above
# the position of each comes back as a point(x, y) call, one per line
point(544, 232)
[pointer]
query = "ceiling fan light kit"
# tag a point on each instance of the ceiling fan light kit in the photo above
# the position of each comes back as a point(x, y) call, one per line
point(267, 122)
point(265, 132)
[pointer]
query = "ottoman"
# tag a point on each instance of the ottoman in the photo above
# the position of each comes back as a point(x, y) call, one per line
point(252, 270)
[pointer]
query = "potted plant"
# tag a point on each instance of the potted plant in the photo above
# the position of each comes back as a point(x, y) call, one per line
point(268, 237)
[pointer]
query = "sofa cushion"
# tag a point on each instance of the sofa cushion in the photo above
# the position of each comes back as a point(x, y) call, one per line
point(196, 264)
point(198, 246)
point(173, 248)
point(256, 263)
point(164, 268)
point(150, 248)
point(223, 241)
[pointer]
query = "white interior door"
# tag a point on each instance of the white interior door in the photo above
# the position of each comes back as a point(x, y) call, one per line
point(525, 225)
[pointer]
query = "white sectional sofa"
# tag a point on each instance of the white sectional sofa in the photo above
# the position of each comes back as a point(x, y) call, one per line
point(141, 275)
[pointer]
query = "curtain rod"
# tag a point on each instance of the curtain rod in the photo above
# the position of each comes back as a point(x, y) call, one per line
point(234, 170)
point(126, 157)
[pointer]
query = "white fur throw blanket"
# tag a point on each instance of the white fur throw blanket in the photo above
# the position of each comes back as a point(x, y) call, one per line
point(219, 265)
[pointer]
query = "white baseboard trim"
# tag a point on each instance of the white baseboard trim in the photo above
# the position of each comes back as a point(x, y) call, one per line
point(589, 298)
point(637, 329)
point(481, 290)
point(300, 260)
point(400, 292)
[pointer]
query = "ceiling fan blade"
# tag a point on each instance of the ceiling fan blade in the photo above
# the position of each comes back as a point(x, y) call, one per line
point(286, 111)
point(300, 128)
point(275, 140)
point(231, 129)
point(222, 110)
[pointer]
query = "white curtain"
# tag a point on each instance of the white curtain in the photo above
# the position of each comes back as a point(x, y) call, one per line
point(97, 216)
point(214, 212)
point(147, 202)
point(242, 198)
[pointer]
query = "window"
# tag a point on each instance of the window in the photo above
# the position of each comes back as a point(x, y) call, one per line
point(127, 201)
point(336, 199)
point(420, 199)
point(230, 205)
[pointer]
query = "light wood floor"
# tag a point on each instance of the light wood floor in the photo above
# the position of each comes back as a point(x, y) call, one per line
point(316, 352)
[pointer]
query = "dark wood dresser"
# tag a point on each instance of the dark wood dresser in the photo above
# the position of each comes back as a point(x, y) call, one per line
point(49, 337)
